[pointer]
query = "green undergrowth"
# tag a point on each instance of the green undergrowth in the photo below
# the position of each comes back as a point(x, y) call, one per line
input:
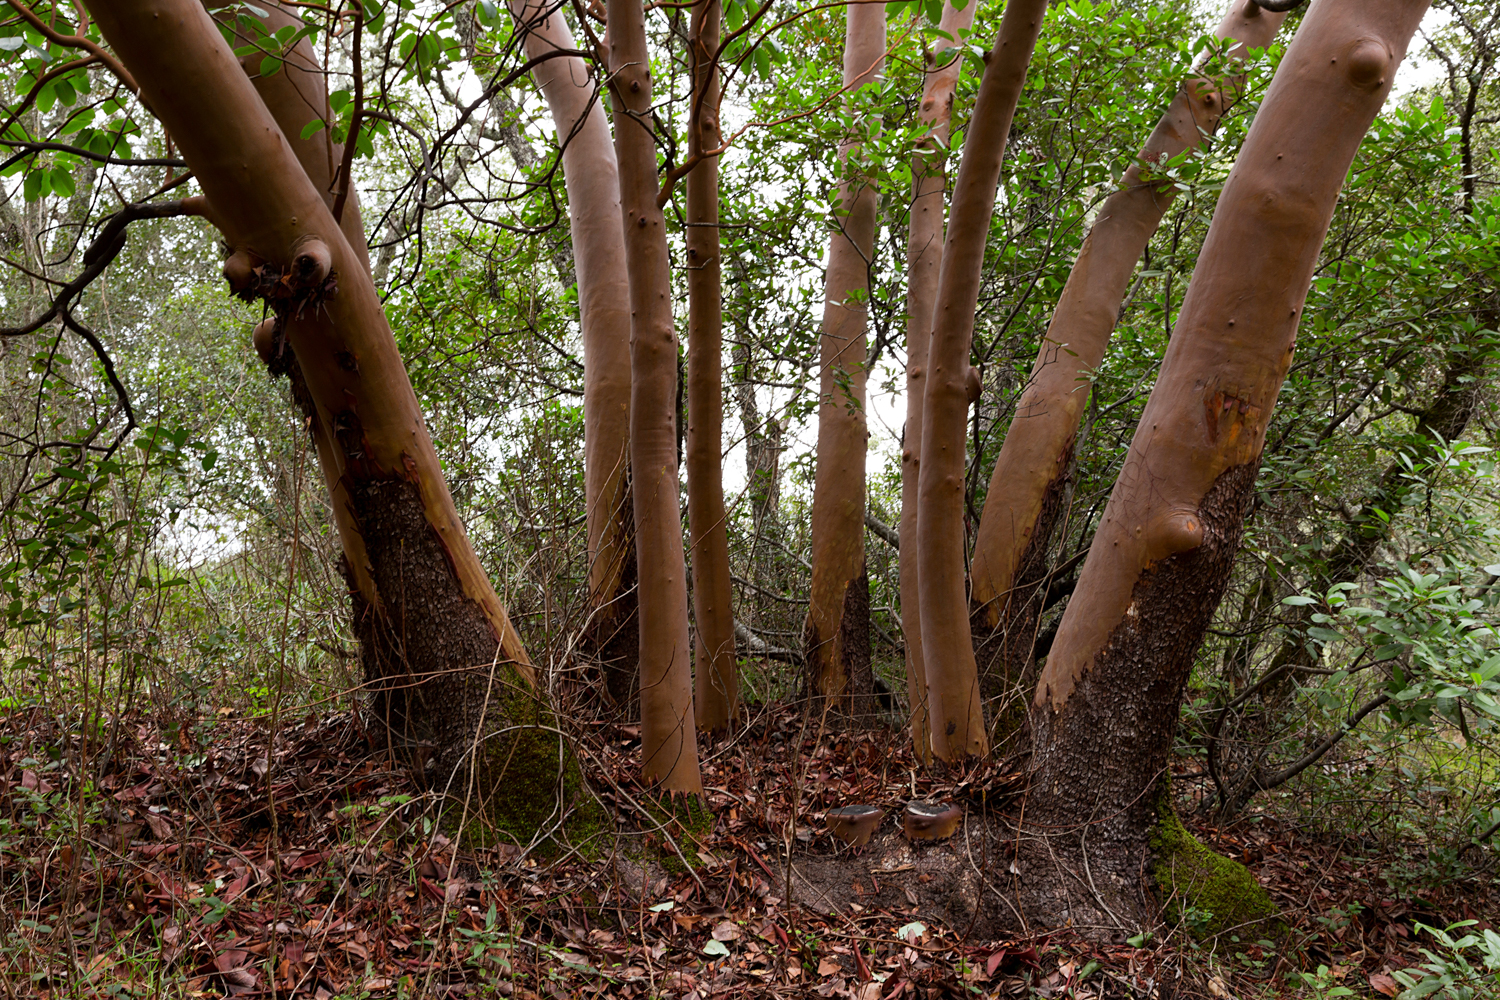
point(1205, 892)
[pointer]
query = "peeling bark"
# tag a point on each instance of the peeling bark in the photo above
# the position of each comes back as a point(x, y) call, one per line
point(954, 707)
point(1023, 504)
point(591, 177)
point(837, 647)
point(924, 253)
point(716, 684)
point(669, 752)
point(1106, 706)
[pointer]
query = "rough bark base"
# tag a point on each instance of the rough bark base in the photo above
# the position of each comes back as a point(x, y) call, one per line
point(859, 702)
point(1097, 762)
point(613, 639)
point(1004, 651)
point(977, 884)
point(467, 724)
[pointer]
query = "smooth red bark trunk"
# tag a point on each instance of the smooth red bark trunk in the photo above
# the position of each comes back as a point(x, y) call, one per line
point(954, 707)
point(669, 754)
point(715, 681)
point(1027, 487)
point(1105, 710)
point(837, 633)
point(591, 177)
point(924, 255)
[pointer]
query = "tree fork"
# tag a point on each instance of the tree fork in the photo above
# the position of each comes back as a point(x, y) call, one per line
point(953, 702)
point(1106, 706)
point(669, 752)
point(591, 177)
point(924, 252)
point(1027, 486)
point(716, 684)
point(837, 632)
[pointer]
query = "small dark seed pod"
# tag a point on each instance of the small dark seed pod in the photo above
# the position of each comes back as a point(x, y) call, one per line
point(854, 825)
point(931, 820)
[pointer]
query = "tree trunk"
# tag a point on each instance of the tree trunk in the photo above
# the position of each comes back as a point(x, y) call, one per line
point(716, 685)
point(437, 647)
point(924, 255)
point(669, 755)
point(592, 180)
point(953, 703)
point(1106, 707)
point(1028, 485)
point(296, 96)
point(837, 633)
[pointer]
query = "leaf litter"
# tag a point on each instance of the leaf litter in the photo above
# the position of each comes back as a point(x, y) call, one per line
point(305, 864)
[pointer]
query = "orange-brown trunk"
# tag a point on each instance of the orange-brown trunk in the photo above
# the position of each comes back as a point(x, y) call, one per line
point(1105, 710)
point(953, 703)
point(669, 754)
point(924, 254)
point(431, 626)
point(1026, 489)
point(592, 180)
point(837, 632)
point(715, 682)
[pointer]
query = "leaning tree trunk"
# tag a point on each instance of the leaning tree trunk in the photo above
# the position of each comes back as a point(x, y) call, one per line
point(592, 181)
point(716, 685)
point(924, 255)
point(669, 752)
point(837, 633)
point(953, 703)
point(435, 641)
point(1027, 488)
point(1106, 707)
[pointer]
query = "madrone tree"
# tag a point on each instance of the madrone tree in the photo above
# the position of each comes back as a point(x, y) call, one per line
point(837, 633)
point(1028, 485)
point(1106, 706)
point(440, 655)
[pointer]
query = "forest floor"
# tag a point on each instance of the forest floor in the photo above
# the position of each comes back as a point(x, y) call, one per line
point(217, 858)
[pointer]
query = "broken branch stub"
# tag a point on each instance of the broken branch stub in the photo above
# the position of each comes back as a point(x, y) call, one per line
point(931, 820)
point(854, 825)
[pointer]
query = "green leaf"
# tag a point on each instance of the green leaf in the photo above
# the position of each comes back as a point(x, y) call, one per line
point(313, 127)
point(1299, 600)
point(716, 948)
point(62, 182)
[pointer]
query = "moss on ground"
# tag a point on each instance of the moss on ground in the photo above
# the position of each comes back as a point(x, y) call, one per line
point(525, 779)
point(689, 821)
point(1206, 892)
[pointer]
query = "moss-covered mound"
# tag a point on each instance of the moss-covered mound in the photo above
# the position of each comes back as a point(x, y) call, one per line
point(523, 786)
point(1206, 892)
